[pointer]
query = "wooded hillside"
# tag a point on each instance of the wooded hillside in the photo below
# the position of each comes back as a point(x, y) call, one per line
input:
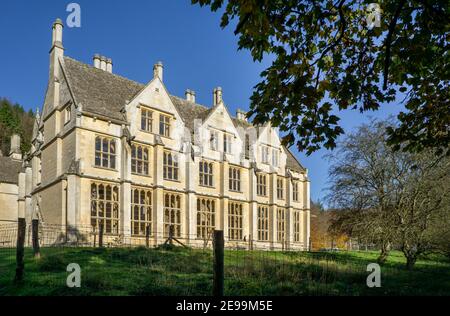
point(14, 119)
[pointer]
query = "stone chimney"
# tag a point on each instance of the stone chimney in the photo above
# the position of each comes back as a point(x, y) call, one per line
point(190, 95)
point(97, 61)
point(241, 115)
point(217, 96)
point(109, 65)
point(103, 63)
point(57, 33)
point(56, 54)
point(158, 70)
point(15, 152)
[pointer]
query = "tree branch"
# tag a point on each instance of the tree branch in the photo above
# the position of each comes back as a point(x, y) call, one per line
point(387, 60)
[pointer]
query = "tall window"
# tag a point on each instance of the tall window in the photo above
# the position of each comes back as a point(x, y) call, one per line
point(105, 207)
point(281, 225)
point(164, 125)
point(234, 179)
point(295, 191)
point(227, 140)
point(105, 152)
point(141, 211)
point(140, 159)
point(235, 221)
point(170, 166)
point(265, 154)
point(206, 217)
point(280, 189)
point(261, 184)
point(206, 173)
point(247, 146)
point(172, 214)
point(214, 140)
point(263, 223)
point(275, 157)
point(146, 120)
point(297, 224)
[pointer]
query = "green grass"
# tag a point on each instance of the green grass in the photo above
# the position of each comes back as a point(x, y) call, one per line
point(177, 271)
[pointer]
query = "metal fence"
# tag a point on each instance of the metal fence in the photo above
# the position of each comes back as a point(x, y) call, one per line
point(172, 264)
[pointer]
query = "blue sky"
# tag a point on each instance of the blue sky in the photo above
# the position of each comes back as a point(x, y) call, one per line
point(197, 54)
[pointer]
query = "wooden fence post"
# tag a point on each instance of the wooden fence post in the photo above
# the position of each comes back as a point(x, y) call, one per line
point(35, 238)
point(100, 235)
point(218, 282)
point(20, 250)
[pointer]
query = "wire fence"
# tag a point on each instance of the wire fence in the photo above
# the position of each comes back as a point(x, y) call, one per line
point(182, 265)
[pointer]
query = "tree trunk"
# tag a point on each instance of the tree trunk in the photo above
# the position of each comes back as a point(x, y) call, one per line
point(385, 249)
point(410, 261)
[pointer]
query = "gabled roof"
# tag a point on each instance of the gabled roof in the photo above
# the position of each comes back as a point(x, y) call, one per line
point(292, 162)
point(189, 111)
point(9, 170)
point(99, 92)
point(106, 94)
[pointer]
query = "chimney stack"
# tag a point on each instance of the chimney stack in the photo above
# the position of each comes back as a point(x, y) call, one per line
point(57, 33)
point(190, 95)
point(158, 70)
point(217, 97)
point(97, 61)
point(15, 152)
point(103, 63)
point(241, 115)
point(109, 65)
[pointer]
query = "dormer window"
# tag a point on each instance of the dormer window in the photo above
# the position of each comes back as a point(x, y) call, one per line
point(265, 154)
point(164, 125)
point(247, 147)
point(146, 120)
point(227, 140)
point(275, 157)
point(214, 140)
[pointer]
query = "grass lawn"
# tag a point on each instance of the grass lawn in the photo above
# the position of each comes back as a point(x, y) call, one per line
point(178, 271)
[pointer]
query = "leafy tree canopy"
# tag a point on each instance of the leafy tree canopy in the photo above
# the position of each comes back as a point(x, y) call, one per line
point(329, 58)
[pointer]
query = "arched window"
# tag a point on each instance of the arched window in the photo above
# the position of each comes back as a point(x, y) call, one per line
point(235, 221)
point(172, 214)
point(297, 223)
point(280, 189)
point(206, 173)
point(295, 191)
point(170, 166)
point(281, 225)
point(206, 217)
point(105, 207)
point(234, 179)
point(141, 211)
point(263, 223)
point(105, 152)
point(261, 184)
point(140, 159)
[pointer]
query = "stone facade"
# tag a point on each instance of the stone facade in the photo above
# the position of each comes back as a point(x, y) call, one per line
point(131, 157)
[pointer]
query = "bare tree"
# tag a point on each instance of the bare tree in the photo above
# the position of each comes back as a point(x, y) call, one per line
point(388, 196)
point(423, 205)
point(364, 178)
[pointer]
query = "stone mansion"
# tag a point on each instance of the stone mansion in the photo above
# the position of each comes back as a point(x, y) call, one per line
point(133, 158)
